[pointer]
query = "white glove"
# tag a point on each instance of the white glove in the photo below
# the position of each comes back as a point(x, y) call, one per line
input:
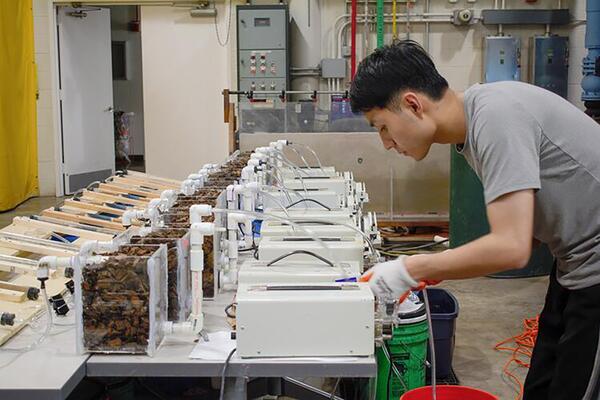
point(390, 280)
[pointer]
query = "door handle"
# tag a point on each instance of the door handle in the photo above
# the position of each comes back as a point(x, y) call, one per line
point(109, 109)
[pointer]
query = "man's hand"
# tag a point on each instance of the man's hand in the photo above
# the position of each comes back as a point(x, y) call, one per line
point(389, 280)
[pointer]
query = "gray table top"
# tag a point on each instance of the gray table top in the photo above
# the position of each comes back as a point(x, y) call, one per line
point(53, 370)
point(50, 371)
point(172, 358)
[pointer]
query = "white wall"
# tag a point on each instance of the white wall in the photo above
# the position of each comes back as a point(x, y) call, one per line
point(185, 71)
point(45, 119)
point(458, 51)
point(128, 94)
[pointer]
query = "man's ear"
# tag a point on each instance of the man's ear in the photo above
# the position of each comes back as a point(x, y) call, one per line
point(411, 101)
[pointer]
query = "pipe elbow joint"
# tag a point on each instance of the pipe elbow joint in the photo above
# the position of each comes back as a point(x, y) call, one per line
point(197, 211)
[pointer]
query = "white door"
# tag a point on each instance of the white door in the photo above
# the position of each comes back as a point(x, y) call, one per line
point(86, 96)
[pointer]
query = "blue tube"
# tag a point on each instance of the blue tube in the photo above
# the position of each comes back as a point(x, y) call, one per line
point(591, 63)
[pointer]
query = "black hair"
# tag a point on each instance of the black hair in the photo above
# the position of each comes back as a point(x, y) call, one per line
point(390, 69)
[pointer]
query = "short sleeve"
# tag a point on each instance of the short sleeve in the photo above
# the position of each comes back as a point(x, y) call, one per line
point(506, 145)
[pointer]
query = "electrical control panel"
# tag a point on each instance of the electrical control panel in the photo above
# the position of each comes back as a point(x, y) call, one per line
point(550, 63)
point(263, 47)
point(502, 60)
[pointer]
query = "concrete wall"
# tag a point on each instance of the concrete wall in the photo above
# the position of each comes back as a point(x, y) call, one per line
point(128, 94)
point(184, 72)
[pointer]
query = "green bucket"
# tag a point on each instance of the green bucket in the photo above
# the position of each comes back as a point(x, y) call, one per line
point(408, 351)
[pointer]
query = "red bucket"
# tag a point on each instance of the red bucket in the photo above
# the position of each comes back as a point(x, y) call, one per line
point(447, 392)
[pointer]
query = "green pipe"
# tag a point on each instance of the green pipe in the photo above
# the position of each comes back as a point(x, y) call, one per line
point(380, 23)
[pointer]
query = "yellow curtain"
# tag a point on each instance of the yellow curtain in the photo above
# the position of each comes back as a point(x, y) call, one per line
point(18, 126)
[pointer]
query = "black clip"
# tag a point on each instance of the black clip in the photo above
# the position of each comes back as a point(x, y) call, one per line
point(59, 305)
point(70, 286)
point(69, 272)
point(7, 319)
point(33, 293)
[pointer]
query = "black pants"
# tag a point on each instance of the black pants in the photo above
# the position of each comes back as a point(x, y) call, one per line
point(565, 363)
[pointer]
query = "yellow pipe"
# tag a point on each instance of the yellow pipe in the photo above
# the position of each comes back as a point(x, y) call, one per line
point(394, 29)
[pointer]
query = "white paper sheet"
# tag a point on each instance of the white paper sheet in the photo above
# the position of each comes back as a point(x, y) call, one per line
point(218, 347)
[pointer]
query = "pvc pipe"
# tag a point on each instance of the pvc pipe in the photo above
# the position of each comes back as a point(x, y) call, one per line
point(168, 196)
point(231, 203)
point(353, 41)
point(130, 215)
point(407, 20)
point(233, 221)
point(366, 30)
point(197, 232)
point(427, 30)
point(95, 246)
point(197, 211)
point(187, 187)
point(423, 18)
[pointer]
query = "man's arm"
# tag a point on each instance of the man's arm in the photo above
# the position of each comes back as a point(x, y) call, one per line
point(507, 246)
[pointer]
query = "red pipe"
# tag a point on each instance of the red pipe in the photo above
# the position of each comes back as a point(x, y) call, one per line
point(353, 40)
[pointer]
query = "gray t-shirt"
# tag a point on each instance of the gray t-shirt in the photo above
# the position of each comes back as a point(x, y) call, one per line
point(520, 137)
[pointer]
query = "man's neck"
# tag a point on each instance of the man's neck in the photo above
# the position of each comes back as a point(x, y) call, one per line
point(450, 118)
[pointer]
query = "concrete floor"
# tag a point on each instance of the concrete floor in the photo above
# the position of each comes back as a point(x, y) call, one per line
point(490, 311)
point(29, 207)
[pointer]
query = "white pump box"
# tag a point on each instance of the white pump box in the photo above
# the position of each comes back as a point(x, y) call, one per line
point(315, 171)
point(327, 198)
point(341, 249)
point(338, 184)
point(299, 272)
point(316, 320)
point(339, 215)
point(280, 228)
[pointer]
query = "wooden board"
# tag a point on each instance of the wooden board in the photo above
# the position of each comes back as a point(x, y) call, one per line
point(133, 188)
point(35, 248)
point(153, 178)
point(128, 180)
point(7, 266)
point(109, 188)
point(93, 207)
point(83, 219)
point(16, 276)
point(28, 310)
point(42, 229)
point(103, 197)
point(12, 296)
point(30, 227)
point(13, 286)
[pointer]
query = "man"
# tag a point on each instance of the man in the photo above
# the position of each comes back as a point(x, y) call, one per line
point(538, 157)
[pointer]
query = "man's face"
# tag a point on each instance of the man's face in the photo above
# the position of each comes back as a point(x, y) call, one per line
point(405, 129)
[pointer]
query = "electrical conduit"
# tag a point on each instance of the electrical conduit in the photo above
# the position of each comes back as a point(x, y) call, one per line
point(380, 22)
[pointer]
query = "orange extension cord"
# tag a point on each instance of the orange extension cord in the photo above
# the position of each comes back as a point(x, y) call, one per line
point(521, 351)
